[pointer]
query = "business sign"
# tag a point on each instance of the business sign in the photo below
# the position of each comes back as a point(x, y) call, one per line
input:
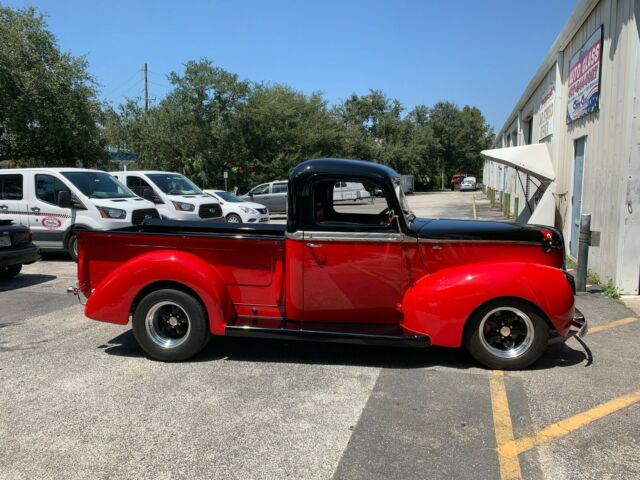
point(546, 113)
point(584, 78)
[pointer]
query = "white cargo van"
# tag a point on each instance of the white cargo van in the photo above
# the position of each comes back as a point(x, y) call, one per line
point(175, 196)
point(56, 202)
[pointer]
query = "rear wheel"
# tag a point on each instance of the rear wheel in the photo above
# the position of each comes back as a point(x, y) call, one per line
point(233, 218)
point(170, 325)
point(9, 271)
point(506, 334)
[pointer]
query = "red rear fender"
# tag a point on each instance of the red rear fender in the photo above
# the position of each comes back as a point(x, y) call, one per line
point(438, 305)
point(112, 298)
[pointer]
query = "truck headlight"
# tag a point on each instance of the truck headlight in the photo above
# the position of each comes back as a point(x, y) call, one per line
point(113, 213)
point(248, 210)
point(184, 207)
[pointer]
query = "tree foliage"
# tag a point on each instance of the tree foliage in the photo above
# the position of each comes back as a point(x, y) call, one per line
point(212, 121)
point(48, 111)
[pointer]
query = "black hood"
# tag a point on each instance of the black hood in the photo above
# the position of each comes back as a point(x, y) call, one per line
point(449, 229)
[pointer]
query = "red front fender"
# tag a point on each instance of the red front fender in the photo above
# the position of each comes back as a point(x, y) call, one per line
point(112, 298)
point(438, 305)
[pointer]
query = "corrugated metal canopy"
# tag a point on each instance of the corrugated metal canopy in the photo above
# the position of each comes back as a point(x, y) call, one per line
point(532, 159)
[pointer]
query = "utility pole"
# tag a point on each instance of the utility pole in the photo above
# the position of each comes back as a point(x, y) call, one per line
point(146, 90)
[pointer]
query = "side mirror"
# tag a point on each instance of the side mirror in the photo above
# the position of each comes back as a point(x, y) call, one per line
point(147, 194)
point(251, 194)
point(64, 199)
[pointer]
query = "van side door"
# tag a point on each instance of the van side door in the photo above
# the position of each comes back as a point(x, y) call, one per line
point(48, 221)
point(13, 205)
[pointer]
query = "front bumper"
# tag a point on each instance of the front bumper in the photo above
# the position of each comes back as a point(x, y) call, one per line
point(21, 255)
point(257, 219)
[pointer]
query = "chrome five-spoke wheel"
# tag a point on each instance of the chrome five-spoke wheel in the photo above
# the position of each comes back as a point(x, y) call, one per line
point(167, 324)
point(506, 332)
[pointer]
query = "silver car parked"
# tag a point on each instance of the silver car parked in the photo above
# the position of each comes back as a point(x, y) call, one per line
point(272, 195)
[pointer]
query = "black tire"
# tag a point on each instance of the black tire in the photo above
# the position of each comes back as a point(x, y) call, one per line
point(157, 335)
point(9, 271)
point(234, 218)
point(527, 334)
point(72, 246)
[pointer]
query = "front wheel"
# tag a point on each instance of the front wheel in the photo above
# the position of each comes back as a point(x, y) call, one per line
point(170, 325)
point(9, 271)
point(72, 246)
point(234, 218)
point(506, 334)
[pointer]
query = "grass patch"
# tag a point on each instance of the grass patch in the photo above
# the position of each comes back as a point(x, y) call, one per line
point(610, 290)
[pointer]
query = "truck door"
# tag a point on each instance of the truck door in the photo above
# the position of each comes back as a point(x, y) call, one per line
point(47, 220)
point(12, 198)
point(352, 261)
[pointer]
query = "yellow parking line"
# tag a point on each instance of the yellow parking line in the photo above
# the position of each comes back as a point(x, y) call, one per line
point(475, 213)
point(509, 465)
point(617, 323)
point(510, 450)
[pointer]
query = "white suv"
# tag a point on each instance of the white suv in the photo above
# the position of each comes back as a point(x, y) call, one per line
point(237, 210)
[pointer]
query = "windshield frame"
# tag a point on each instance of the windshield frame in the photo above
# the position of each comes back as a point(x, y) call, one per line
point(73, 176)
point(408, 214)
point(153, 176)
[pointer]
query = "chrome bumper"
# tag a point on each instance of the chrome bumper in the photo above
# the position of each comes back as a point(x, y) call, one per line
point(578, 326)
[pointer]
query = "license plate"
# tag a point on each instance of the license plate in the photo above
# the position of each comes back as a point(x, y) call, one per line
point(5, 240)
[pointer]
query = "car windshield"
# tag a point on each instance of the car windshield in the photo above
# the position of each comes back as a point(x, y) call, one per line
point(174, 184)
point(229, 197)
point(98, 185)
point(408, 214)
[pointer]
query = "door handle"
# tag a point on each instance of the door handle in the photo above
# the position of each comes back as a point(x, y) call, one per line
point(312, 245)
point(35, 209)
point(4, 207)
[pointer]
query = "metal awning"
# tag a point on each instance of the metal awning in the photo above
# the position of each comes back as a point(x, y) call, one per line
point(530, 159)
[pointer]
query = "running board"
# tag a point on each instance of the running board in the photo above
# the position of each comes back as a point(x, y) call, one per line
point(327, 336)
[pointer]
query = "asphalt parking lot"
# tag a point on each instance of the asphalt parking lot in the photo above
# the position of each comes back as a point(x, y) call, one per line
point(78, 399)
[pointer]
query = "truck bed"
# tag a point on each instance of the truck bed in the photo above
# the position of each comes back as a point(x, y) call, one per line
point(249, 258)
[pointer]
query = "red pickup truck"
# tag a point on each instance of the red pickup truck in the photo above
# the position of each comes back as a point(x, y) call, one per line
point(365, 272)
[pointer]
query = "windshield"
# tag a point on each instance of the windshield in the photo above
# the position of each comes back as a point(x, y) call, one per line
point(174, 184)
point(229, 197)
point(98, 185)
point(408, 214)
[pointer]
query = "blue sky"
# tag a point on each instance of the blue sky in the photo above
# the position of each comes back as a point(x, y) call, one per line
point(481, 53)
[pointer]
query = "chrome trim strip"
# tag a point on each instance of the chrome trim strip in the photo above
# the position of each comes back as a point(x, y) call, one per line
point(471, 240)
point(299, 235)
point(380, 237)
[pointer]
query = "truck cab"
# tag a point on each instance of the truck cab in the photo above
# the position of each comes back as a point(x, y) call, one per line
point(360, 272)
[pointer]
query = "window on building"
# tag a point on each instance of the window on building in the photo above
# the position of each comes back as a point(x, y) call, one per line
point(529, 137)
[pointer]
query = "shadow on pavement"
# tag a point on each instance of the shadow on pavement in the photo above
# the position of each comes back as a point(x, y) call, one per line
point(286, 351)
point(23, 280)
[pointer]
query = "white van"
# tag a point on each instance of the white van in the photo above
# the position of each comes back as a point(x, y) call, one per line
point(350, 191)
point(56, 202)
point(175, 196)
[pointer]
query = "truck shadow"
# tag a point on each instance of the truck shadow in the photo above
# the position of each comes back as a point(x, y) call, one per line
point(287, 351)
point(24, 280)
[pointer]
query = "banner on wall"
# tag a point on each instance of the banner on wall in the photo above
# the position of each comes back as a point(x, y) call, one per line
point(584, 78)
point(546, 113)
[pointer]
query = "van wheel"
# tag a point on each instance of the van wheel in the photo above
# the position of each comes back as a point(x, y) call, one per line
point(9, 271)
point(506, 334)
point(170, 325)
point(233, 218)
point(72, 247)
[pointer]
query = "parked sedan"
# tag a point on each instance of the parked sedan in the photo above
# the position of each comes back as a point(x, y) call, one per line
point(237, 210)
point(469, 183)
point(16, 249)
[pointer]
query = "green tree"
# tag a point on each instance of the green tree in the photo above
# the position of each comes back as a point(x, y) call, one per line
point(48, 110)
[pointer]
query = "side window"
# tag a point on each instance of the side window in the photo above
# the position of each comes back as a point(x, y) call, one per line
point(261, 189)
point(137, 185)
point(353, 209)
point(279, 188)
point(48, 187)
point(11, 187)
